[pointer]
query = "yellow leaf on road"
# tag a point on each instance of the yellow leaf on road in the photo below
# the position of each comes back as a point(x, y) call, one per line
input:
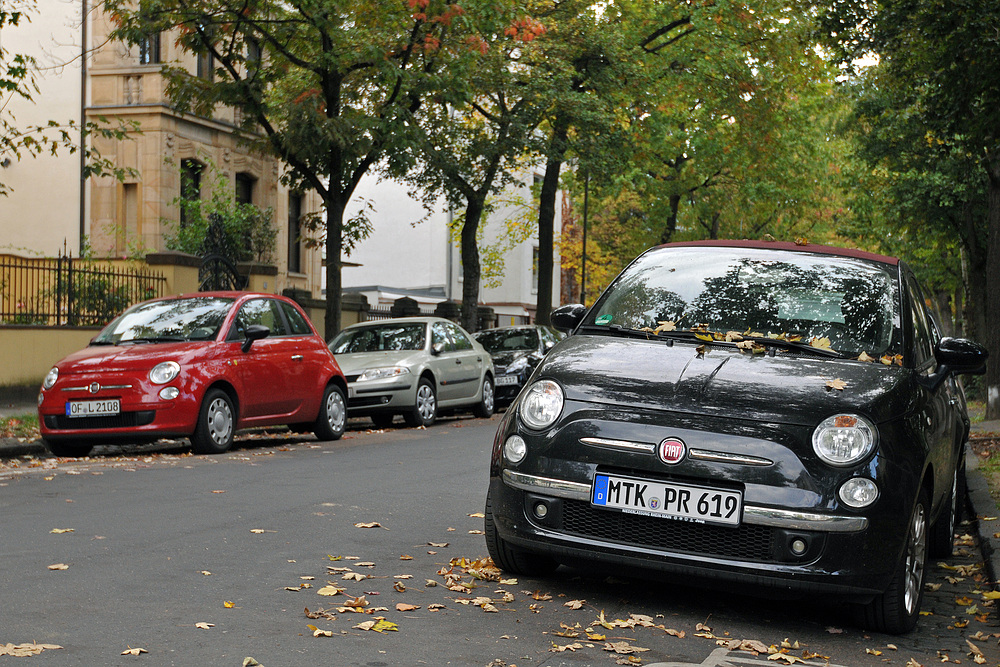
point(59, 566)
point(330, 590)
point(134, 651)
point(229, 604)
point(402, 606)
point(370, 524)
point(60, 531)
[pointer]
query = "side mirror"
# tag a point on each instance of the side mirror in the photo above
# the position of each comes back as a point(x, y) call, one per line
point(961, 355)
point(566, 318)
point(548, 345)
point(437, 348)
point(254, 332)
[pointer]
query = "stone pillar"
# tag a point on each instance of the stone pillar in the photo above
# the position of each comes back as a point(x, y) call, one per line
point(404, 307)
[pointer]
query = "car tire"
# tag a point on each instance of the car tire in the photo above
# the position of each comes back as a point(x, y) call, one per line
point(332, 419)
point(487, 400)
point(509, 558)
point(383, 420)
point(897, 609)
point(68, 449)
point(424, 412)
point(216, 425)
point(942, 534)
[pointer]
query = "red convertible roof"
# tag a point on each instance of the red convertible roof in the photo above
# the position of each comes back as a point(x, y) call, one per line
point(787, 245)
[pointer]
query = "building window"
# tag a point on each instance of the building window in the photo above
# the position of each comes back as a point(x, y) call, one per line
point(206, 66)
point(254, 55)
point(244, 188)
point(294, 233)
point(534, 270)
point(190, 186)
point(149, 49)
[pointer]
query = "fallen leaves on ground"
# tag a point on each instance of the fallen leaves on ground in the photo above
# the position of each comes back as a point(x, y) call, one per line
point(134, 651)
point(26, 650)
point(60, 531)
point(378, 625)
point(204, 626)
point(369, 524)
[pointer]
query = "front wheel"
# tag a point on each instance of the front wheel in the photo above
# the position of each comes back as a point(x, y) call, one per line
point(68, 449)
point(484, 408)
point(897, 609)
point(216, 424)
point(509, 558)
point(332, 419)
point(425, 411)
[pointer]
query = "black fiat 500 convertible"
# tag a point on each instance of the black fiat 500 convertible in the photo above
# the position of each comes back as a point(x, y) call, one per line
point(764, 413)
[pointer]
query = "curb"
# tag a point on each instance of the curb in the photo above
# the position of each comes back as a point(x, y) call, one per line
point(12, 447)
point(986, 516)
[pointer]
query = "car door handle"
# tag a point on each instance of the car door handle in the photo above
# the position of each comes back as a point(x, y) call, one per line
point(296, 357)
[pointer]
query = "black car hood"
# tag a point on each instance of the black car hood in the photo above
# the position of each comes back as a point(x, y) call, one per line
point(723, 382)
point(508, 357)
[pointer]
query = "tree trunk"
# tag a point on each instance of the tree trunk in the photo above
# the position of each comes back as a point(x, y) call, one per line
point(470, 264)
point(671, 227)
point(546, 221)
point(974, 256)
point(991, 336)
point(334, 247)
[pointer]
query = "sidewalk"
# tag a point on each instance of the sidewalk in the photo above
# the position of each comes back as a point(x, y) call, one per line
point(11, 447)
point(984, 508)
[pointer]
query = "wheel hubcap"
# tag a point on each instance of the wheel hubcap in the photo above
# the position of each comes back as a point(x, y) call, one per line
point(220, 421)
point(488, 396)
point(425, 402)
point(916, 555)
point(336, 412)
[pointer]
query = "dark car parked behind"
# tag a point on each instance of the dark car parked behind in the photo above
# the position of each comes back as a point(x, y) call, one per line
point(755, 412)
point(516, 350)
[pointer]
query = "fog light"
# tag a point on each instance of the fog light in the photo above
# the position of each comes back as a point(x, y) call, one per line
point(798, 547)
point(858, 492)
point(541, 510)
point(169, 393)
point(515, 449)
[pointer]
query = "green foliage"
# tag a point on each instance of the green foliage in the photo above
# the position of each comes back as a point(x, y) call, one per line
point(249, 234)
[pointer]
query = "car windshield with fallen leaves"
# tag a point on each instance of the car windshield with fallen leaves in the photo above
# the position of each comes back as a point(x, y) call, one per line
point(764, 413)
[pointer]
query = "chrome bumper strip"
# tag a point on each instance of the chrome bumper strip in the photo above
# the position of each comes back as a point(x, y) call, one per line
point(761, 516)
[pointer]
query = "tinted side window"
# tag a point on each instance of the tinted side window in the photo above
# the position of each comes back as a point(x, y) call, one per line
point(923, 344)
point(441, 335)
point(462, 341)
point(258, 311)
point(296, 322)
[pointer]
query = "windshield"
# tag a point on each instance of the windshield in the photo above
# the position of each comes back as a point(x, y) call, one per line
point(847, 304)
point(380, 338)
point(508, 340)
point(197, 318)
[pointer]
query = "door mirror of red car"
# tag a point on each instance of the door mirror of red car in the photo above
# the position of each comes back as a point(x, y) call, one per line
point(961, 355)
point(566, 318)
point(254, 332)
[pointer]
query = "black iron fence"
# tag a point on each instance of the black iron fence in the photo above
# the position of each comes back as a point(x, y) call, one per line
point(71, 291)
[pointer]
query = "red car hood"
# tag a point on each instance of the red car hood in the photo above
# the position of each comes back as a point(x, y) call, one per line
point(130, 357)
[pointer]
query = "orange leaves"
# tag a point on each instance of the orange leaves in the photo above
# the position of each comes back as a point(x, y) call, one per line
point(525, 29)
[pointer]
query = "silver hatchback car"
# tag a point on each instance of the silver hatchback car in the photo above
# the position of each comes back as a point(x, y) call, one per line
point(414, 366)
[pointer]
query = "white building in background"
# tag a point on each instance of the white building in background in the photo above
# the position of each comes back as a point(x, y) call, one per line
point(412, 254)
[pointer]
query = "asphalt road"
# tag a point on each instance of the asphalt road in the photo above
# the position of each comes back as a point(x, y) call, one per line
point(153, 542)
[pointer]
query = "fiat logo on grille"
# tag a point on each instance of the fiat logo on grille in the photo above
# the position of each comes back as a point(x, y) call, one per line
point(671, 450)
point(94, 387)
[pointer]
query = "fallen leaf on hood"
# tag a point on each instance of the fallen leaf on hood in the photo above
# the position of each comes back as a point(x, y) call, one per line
point(623, 648)
point(864, 356)
point(837, 384)
point(568, 647)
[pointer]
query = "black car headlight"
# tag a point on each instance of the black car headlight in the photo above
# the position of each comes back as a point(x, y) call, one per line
point(541, 405)
point(843, 440)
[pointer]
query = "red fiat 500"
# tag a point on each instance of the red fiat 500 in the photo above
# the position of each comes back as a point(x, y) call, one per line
point(199, 366)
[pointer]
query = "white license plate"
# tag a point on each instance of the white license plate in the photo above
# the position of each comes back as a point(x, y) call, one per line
point(103, 408)
point(669, 500)
point(506, 379)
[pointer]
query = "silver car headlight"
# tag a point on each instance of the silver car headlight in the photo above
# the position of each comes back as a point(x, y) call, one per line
point(542, 404)
point(50, 378)
point(382, 373)
point(165, 372)
point(843, 440)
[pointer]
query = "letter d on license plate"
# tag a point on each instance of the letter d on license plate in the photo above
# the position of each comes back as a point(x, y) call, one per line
point(668, 500)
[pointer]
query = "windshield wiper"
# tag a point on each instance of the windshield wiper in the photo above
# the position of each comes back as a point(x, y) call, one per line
point(704, 336)
point(157, 339)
